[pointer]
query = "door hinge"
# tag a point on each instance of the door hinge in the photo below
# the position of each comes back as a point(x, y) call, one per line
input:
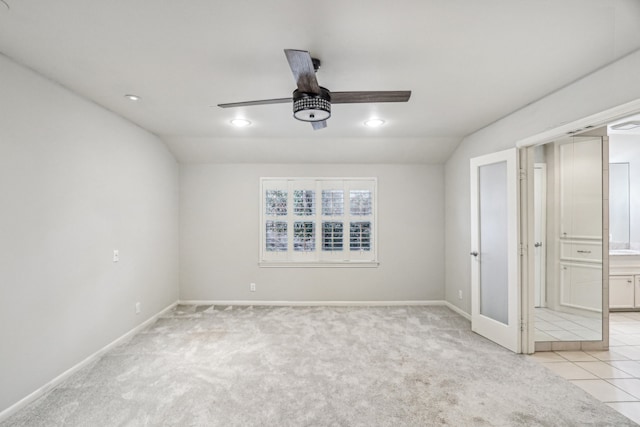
point(523, 174)
point(522, 325)
point(523, 249)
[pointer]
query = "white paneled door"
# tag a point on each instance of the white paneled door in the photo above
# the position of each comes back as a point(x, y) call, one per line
point(495, 297)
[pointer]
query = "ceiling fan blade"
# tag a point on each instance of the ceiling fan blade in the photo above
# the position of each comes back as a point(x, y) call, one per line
point(370, 96)
point(319, 125)
point(301, 66)
point(261, 102)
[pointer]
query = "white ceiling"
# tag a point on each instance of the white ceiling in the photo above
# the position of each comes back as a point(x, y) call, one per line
point(467, 62)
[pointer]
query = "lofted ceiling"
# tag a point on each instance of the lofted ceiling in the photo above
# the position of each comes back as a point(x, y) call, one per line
point(467, 62)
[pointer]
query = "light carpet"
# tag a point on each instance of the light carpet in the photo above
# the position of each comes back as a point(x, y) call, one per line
point(314, 366)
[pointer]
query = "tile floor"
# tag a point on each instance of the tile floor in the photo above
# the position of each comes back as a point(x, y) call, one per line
point(611, 376)
point(557, 326)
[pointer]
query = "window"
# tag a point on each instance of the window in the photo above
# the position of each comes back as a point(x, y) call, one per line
point(332, 235)
point(304, 202)
point(360, 236)
point(304, 238)
point(332, 202)
point(318, 222)
point(276, 202)
point(360, 202)
point(276, 236)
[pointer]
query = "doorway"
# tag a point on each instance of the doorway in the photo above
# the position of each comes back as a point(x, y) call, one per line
point(624, 219)
point(585, 256)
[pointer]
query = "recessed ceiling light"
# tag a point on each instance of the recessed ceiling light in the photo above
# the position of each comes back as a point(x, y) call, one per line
point(132, 97)
point(240, 123)
point(374, 123)
point(626, 125)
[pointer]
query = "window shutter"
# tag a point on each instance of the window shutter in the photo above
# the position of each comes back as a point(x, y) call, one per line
point(318, 221)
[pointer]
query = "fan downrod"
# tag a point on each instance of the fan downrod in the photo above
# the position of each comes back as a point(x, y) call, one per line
point(316, 64)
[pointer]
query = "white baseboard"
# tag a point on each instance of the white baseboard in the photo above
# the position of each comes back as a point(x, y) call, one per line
point(458, 310)
point(330, 304)
point(313, 303)
point(66, 374)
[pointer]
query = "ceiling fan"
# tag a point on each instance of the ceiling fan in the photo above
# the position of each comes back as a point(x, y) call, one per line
point(312, 102)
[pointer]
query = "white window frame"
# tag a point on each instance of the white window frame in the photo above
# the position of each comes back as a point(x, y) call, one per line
point(319, 258)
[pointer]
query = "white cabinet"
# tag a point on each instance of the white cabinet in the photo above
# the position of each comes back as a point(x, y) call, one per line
point(581, 285)
point(581, 189)
point(624, 280)
point(583, 250)
point(622, 292)
point(580, 257)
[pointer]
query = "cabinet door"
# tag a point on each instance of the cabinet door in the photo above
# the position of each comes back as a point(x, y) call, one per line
point(637, 286)
point(621, 292)
point(566, 190)
point(581, 250)
point(581, 188)
point(581, 286)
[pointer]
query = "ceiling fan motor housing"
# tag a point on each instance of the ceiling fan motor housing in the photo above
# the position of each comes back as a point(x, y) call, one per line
point(312, 107)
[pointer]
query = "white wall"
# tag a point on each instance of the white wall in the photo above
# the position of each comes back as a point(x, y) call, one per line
point(626, 149)
point(607, 88)
point(219, 236)
point(76, 182)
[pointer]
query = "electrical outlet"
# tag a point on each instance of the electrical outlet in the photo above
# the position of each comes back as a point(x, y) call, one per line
point(252, 287)
point(138, 307)
point(116, 255)
point(459, 293)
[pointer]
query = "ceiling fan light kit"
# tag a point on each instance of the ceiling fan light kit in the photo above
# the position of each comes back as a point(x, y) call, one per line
point(312, 102)
point(311, 107)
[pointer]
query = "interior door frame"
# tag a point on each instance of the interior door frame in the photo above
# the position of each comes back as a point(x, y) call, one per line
point(543, 230)
point(600, 118)
point(508, 335)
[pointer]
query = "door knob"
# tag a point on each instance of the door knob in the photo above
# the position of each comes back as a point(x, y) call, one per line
point(538, 244)
point(474, 253)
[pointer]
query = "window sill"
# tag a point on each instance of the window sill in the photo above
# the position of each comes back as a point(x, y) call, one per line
point(325, 264)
